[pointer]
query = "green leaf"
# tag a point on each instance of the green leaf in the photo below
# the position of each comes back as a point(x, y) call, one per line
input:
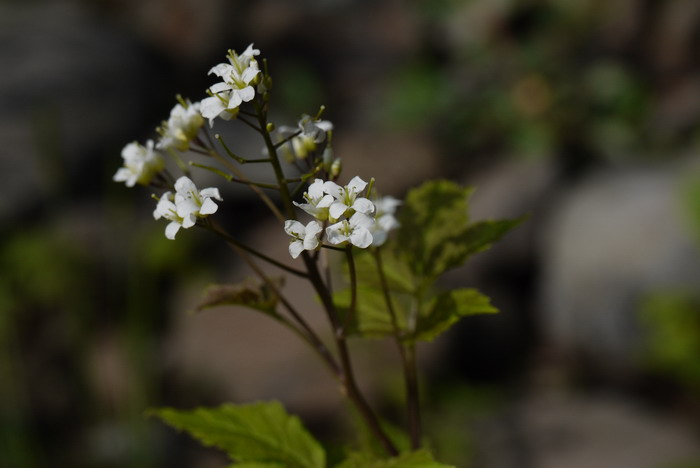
point(447, 308)
point(255, 296)
point(419, 459)
point(435, 234)
point(455, 250)
point(255, 435)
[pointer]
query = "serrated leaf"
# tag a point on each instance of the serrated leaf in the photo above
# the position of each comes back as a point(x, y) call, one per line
point(475, 238)
point(419, 459)
point(432, 213)
point(257, 296)
point(435, 234)
point(371, 318)
point(447, 308)
point(397, 273)
point(259, 433)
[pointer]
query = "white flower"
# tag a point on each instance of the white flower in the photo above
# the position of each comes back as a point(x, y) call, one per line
point(304, 237)
point(141, 164)
point(184, 207)
point(317, 201)
point(182, 126)
point(167, 209)
point(236, 86)
point(346, 198)
point(384, 219)
point(190, 200)
point(356, 230)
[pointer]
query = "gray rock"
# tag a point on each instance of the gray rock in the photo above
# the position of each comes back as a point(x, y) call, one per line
point(612, 239)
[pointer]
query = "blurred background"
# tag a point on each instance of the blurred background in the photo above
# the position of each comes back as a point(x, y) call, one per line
point(583, 113)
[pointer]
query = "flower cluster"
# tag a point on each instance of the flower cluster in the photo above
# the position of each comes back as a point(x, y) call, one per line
point(182, 126)
point(186, 205)
point(355, 219)
point(141, 164)
point(237, 85)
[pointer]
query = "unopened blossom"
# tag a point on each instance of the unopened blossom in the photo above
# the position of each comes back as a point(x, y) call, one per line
point(236, 87)
point(385, 220)
point(182, 126)
point(184, 207)
point(141, 164)
point(166, 208)
point(356, 231)
point(304, 237)
point(317, 201)
point(346, 199)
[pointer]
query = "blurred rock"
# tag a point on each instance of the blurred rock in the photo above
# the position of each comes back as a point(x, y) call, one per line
point(555, 430)
point(610, 240)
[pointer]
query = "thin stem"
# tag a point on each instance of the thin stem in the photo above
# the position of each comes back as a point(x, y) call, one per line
point(306, 333)
point(408, 361)
point(217, 230)
point(353, 288)
point(250, 124)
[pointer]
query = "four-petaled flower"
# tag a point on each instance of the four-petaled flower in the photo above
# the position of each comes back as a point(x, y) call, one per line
point(187, 204)
point(356, 230)
point(384, 219)
point(304, 237)
point(317, 201)
point(236, 86)
point(141, 164)
point(182, 126)
point(347, 200)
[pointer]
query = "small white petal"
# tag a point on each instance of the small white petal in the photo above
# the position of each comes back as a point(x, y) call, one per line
point(249, 74)
point(333, 189)
point(313, 228)
point(222, 70)
point(295, 248)
point(208, 207)
point(219, 87)
point(246, 94)
point(234, 100)
point(337, 209)
point(379, 238)
point(325, 202)
point(184, 185)
point(316, 189)
point(360, 220)
point(361, 238)
point(211, 192)
point(294, 228)
point(171, 229)
point(357, 184)
point(189, 221)
point(363, 205)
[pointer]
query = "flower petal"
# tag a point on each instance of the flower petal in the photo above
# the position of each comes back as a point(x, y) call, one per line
point(171, 229)
point(363, 205)
point(246, 94)
point(357, 184)
point(361, 220)
point(361, 238)
point(211, 192)
point(294, 228)
point(333, 189)
point(208, 207)
point(337, 209)
point(295, 248)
